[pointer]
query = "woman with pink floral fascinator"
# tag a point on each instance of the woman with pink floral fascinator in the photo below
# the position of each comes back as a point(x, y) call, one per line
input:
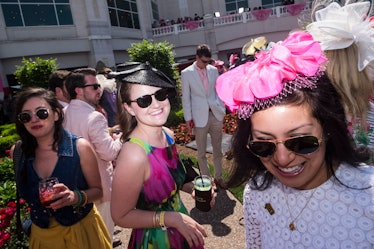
point(346, 35)
point(305, 186)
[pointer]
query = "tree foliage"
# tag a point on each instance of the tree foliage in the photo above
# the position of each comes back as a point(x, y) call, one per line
point(160, 55)
point(35, 73)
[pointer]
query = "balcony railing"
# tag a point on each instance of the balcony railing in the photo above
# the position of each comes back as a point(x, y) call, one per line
point(255, 15)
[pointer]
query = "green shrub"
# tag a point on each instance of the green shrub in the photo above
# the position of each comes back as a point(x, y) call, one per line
point(35, 73)
point(8, 136)
point(8, 130)
point(175, 118)
point(7, 192)
point(6, 169)
point(6, 143)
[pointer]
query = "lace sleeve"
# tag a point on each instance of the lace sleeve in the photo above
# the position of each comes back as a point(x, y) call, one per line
point(252, 226)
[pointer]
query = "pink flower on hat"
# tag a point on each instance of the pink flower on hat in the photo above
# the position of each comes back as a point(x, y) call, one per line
point(265, 77)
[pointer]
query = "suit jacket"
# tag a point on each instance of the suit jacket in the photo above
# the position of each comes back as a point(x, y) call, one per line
point(82, 119)
point(196, 103)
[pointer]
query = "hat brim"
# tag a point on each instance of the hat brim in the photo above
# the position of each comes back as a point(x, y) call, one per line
point(143, 74)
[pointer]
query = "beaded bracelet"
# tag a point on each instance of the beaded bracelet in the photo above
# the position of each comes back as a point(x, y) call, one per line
point(80, 198)
point(85, 198)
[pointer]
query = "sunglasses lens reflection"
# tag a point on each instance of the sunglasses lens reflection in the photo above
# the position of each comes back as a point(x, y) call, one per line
point(300, 145)
point(146, 100)
point(262, 149)
point(25, 117)
point(42, 113)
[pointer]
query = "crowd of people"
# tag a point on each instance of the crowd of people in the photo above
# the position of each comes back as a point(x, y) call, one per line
point(302, 147)
point(180, 20)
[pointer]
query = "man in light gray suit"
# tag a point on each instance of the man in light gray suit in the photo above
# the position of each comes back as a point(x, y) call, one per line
point(203, 109)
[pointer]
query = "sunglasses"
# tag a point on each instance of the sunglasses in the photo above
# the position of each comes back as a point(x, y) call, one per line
point(146, 100)
point(26, 116)
point(300, 145)
point(94, 86)
point(204, 61)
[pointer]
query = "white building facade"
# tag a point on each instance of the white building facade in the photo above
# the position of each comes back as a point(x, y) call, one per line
point(80, 33)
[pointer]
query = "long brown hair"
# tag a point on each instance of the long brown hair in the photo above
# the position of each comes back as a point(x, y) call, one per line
point(29, 143)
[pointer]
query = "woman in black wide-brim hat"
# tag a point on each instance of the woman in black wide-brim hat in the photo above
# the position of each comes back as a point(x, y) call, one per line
point(147, 177)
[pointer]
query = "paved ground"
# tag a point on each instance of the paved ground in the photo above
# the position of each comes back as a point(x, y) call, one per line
point(221, 222)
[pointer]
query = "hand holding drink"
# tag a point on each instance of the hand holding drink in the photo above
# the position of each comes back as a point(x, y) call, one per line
point(47, 191)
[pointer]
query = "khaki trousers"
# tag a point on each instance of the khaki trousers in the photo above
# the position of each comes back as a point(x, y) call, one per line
point(214, 129)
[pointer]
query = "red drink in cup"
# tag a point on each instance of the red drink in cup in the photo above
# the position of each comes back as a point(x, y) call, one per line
point(46, 190)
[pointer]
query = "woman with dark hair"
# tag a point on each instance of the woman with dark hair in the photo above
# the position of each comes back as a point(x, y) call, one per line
point(147, 178)
point(305, 186)
point(70, 220)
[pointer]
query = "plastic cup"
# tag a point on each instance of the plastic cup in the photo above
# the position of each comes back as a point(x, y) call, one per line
point(203, 192)
point(46, 190)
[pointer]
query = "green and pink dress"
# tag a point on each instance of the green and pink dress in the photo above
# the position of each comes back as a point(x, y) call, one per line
point(160, 193)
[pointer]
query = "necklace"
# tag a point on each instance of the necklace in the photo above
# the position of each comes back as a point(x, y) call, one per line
point(292, 225)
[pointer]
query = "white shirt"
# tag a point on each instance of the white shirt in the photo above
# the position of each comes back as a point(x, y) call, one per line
point(330, 216)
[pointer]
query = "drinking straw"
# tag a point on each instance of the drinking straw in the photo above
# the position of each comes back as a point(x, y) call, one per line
point(202, 181)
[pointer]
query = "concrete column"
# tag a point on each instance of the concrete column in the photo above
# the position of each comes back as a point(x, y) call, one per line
point(99, 33)
point(145, 18)
point(210, 36)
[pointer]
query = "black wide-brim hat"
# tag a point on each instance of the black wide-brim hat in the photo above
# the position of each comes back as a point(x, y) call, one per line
point(143, 74)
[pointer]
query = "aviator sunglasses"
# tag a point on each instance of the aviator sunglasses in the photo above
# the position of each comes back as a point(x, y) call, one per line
point(300, 145)
point(94, 86)
point(146, 100)
point(26, 116)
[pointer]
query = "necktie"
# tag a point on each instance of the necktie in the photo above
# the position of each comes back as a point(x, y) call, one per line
point(205, 81)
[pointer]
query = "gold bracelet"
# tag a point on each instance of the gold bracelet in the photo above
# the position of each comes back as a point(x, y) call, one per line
point(157, 218)
point(154, 219)
point(162, 221)
point(85, 198)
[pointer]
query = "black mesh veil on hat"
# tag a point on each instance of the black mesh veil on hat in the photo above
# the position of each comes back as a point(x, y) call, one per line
point(144, 74)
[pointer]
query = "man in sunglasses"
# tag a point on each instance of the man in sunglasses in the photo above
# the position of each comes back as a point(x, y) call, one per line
point(203, 110)
point(82, 119)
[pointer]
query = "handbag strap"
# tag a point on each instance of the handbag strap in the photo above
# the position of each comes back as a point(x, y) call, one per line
point(17, 155)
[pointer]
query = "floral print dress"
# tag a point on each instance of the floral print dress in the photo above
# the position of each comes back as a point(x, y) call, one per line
point(160, 193)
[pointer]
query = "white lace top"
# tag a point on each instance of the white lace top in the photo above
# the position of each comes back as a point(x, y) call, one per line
point(330, 216)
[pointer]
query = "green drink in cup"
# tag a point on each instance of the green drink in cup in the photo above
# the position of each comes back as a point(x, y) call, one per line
point(203, 192)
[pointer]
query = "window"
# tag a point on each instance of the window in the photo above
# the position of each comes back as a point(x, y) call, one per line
point(24, 13)
point(156, 15)
point(124, 13)
point(232, 6)
point(271, 3)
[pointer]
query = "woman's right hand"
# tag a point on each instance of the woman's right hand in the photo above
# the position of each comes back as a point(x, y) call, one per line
point(192, 231)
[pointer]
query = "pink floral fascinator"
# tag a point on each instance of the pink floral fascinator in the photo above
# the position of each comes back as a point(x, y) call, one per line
point(295, 63)
point(338, 27)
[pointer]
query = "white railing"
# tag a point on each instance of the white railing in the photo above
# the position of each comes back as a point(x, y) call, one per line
point(178, 28)
point(244, 17)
